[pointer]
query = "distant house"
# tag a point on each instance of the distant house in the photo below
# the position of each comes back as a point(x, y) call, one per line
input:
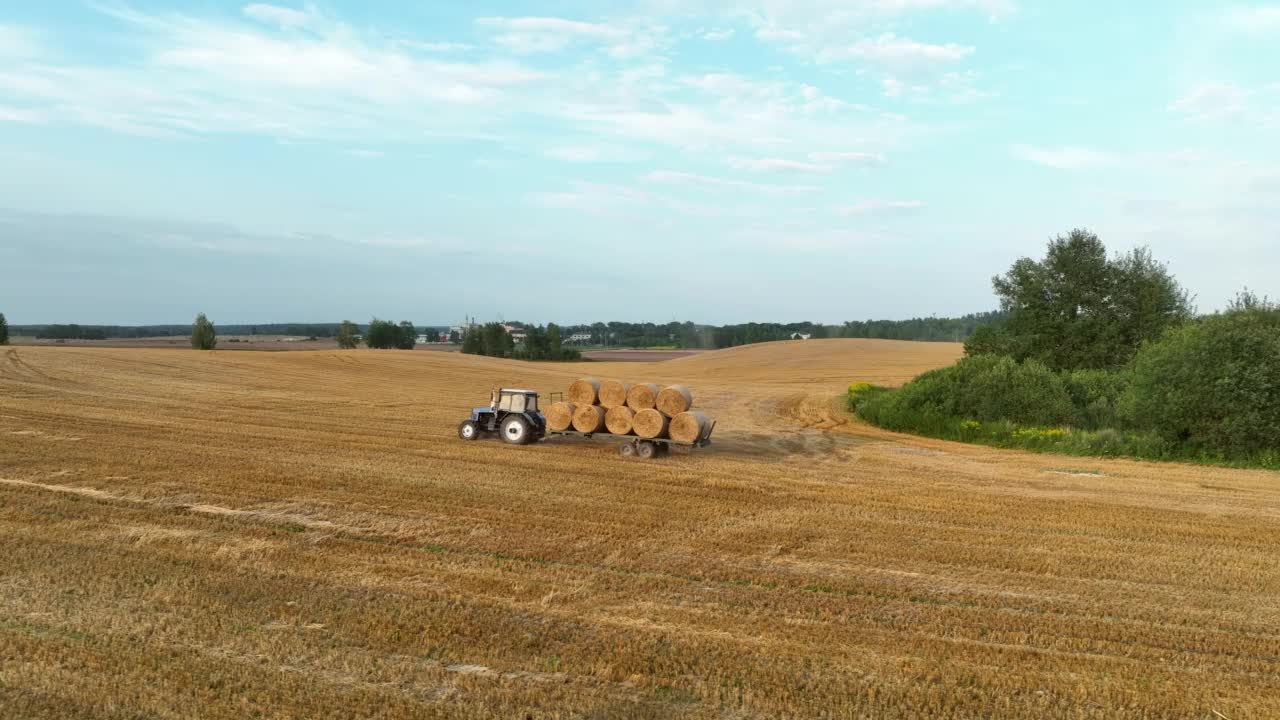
point(519, 336)
point(579, 338)
point(424, 339)
point(801, 336)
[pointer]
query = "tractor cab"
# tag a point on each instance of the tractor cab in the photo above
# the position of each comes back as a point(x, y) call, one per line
point(512, 413)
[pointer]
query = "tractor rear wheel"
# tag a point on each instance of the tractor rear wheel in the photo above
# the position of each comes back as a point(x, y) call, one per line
point(469, 430)
point(515, 430)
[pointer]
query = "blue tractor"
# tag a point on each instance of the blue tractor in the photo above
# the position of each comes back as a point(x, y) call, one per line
point(512, 414)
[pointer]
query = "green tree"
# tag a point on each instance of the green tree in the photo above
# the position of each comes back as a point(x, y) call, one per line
point(382, 335)
point(987, 340)
point(555, 344)
point(203, 335)
point(455, 337)
point(407, 337)
point(4, 330)
point(1078, 309)
point(472, 341)
point(1212, 384)
point(348, 335)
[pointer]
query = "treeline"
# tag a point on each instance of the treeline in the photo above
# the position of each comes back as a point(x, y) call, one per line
point(1099, 355)
point(748, 333)
point(930, 329)
point(686, 335)
point(74, 331)
point(539, 342)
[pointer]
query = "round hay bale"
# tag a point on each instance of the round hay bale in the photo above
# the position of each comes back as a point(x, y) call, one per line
point(584, 392)
point(674, 400)
point(690, 427)
point(650, 424)
point(588, 419)
point(613, 393)
point(643, 397)
point(619, 420)
point(560, 416)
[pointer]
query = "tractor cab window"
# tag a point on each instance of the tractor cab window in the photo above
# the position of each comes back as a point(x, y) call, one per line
point(513, 403)
point(531, 403)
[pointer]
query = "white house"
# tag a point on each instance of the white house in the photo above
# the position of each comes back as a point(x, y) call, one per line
point(579, 338)
point(801, 336)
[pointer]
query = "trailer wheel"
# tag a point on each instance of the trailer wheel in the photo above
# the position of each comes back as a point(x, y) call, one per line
point(469, 430)
point(627, 449)
point(647, 450)
point(516, 431)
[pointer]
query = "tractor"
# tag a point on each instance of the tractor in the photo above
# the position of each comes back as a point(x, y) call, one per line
point(511, 413)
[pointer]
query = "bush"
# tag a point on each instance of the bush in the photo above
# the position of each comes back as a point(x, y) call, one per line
point(4, 330)
point(860, 392)
point(1213, 384)
point(983, 388)
point(1100, 396)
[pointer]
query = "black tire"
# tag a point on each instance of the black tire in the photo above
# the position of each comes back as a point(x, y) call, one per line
point(627, 450)
point(647, 451)
point(469, 430)
point(516, 431)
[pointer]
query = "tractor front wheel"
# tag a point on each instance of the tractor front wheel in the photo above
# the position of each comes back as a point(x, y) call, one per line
point(515, 430)
point(469, 430)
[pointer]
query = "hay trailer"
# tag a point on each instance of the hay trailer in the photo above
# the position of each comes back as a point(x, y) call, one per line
point(514, 416)
point(632, 446)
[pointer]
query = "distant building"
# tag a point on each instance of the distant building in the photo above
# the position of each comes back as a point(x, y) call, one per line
point(579, 338)
point(423, 339)
point(801, 336)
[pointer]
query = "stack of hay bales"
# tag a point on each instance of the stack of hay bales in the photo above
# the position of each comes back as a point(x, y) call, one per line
point(644, 410)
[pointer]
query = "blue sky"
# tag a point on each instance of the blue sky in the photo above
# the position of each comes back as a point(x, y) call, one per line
point(647, 160)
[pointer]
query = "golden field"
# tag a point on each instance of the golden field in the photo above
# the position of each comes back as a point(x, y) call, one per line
point(302, 535)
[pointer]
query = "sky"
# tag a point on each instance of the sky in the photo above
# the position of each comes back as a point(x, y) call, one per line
point(572, 161)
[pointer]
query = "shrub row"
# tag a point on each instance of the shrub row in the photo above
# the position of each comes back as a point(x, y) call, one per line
point(1207, 391)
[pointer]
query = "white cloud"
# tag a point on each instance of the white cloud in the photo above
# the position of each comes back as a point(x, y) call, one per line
point(593, 153)
point(898, 54)
point(1259, 20)
point(529, 35)
point(435, 47)
point(194, 75)
point(282, 17)
point(1213, 101)
point(17, 42)
point(778, 165)
point(879, 207)
point(683, 178)
point(18, 115)
point(1065, 157)
point(861, 159)
point(715, 35)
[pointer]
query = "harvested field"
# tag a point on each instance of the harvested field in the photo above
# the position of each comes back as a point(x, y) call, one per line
point(303, 535)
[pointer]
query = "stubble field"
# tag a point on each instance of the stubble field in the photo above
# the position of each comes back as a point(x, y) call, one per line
point(301, 535)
